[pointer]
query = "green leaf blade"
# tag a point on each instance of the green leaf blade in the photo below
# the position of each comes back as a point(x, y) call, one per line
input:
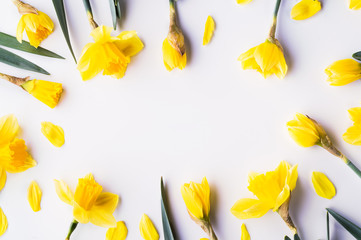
point(60, 12)
point(357, 56)
point(168, 234)
point(114, 13)
point(352, 228)
point(328, 225)
point(118, 9)
point(287, 238)
point(14, 60)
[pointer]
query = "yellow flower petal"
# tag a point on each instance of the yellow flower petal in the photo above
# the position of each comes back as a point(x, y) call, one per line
point(34, 196)
point(2, 178)
point(54, 133)
point(343, 72)
point(9, 128)
point(355, 4)
point(129, 43)
point(282, 198)
point(353, 135)
point(45, 91)
point(245, 235)
point(64, 192)
point(101, 214)
point(87, 192)
point(80, 214)
point(303, 130)
point(3, 222)
point(355, 114)
point(323, 186)
point(208, 30)
point(292, 177)
point(172, 58)
point(305, 9)
point(249, 208)
point(120, 232)
point(147, 229)
point(244, 1)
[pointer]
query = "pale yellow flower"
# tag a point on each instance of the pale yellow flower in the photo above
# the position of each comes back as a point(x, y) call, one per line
point(305, 9)
point(120, 232)
point(353, 133)
point(34, 196)
point(355, 4)
point(245, 235)
point(37, 27)
point(45, 91)
point(108, 54)
point(147, 229)
point(54, 133)
point(3, 222)
point(208, 30)
point(243, 1)
point(89, 202)
point(267, 58)
point(343, 72)
point(323, 186)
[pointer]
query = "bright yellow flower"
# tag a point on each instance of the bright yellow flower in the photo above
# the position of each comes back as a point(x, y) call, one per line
point(353, 133)
point(172, 58)
point(34, 196)
point(245, 235)
point(14, 157)
point(355, 4)
point(244, 1)
point(90, 203)
point(45, 91)
point(343, 72)
point(267, 58)
point(305, 9)
point(323, 186)
point(272, 189)
point(197, 199)
point(305, 131)
point(3, 222)
point(108, 54)
point(147, 229)
point(54, 133)
point(120, 232)
point(37, 26)
point(208, 30)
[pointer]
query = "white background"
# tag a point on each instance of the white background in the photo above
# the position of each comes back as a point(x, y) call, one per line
point(211, 119)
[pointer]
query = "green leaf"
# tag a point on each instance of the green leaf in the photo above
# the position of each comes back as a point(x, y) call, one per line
point(347, 224)
point(60, 12)
point(328, 225)
point(357, 56)
point(118, 9)
point(88, 7)
point(11, 42)
point(114, 13)
point(19, 62)
point(287, 238)
point(168, 234)
point(296, 237)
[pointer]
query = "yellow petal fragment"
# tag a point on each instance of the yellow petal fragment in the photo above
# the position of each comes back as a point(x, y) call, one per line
point(353, 135)
point(34, 196)
point(172, 58)
point(343, 72)
point(3, 222)
point(249, 208)
point(245, 235)
point(305, 9)
point(323, 186)
point(2, 178)
point(147, 229)
point(355, 4)
point(64, 192)
point(244, 1)
point(355, 114)
point(208, 30)
point(54, 133)
point(9, 128)
point(45, 91)
point(120, 232)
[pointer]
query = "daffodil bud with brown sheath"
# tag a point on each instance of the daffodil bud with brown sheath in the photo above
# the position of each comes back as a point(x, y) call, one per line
point(24, 8)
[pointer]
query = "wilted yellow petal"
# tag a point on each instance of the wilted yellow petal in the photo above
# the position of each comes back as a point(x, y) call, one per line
point(2, 178)
point(323, 186)
point(355, 4)
point(45, 91)
point(64, 192)
point(147, 229)
point(118, 233)
point(244, 1)
point(54, 133)
point(34, 196)
point(3, 222)
point(305, 9)
point(9, 128)
point(208, 30)
point(245, 235)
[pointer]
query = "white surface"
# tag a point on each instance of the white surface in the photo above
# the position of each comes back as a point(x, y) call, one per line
point(211, 119)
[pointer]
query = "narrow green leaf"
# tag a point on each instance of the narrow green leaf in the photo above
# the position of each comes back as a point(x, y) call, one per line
point(88, 7)
point(347, 224)
point(168, 234)
point(60, 12)
point(328, 225)
point(114, 13)
point(19, 62)
point(357, 56)
point(296, 237)
point(287, 238)
point(118, 9)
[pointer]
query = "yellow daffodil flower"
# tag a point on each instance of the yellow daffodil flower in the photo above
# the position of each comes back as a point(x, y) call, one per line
point(322, 185)
point(3, 222)
point(245, 235)
point(353, 133)
point(244, 1)
point(305, 9)
point(14, 157)
point(147, 229)
point(108, 54)
point(34, 196)
point(89, 202)
point(54, 133)
point(273, 191)
point(120, 232)
point(174, 51)
point(45, 91)
point(208, 30)
point(343, 72)
point(355, 4)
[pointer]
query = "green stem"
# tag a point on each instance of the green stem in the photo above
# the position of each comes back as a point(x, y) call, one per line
point(274, 24)
point(89, 13)
point(277, 8)
point(172, 3)
point(73, 225)
point(353, 167)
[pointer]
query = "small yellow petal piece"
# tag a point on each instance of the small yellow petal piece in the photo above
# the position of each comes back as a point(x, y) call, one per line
point(45, 91)
point(34, 196)
point(355, 4)
point(120, 232)
point(2, 178)
point(208, 30)
point(353, 135)
point(244, 1)
point(305, 9)
point(3, 222)
point(147, 229)
point(54, 133)
point(323, 186)
point(245, 235)
point(64, 192)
